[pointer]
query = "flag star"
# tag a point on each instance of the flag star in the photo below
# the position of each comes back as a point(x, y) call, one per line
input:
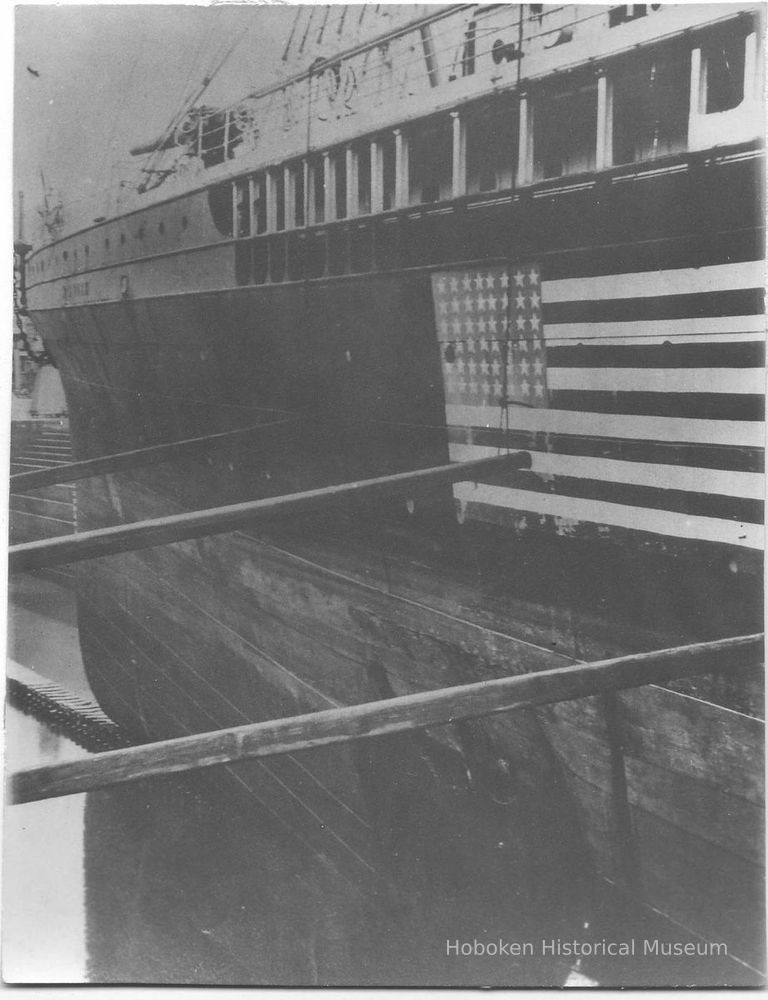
point(504, 300)
point(538, 366)
point(466, 282)
point(478, 281)
point(492, 300)
point(445, 328)
point(481, 302)
point(496, 368)
point(535, 322)
point(455, 305)
point(524, 366)
point(535, 299)
point(469, 325)
point(485, 367)
point(520, 322)
point(454, 285)
point(481, 326)
point(489, 281)
point(498, 387)
point(456, 325)
point(520, 300)
point(441, 284)
point(472, 386)
point(443, 307)
point(522, 345)
point(539, 389)
point(533, 274)
point(468, 303)
point(458, 346)
point(526, 387)
point(472, 367)
point(504, 324)
point(492, 327)
point(504, 280)
point(483, 344)
point(519, 278)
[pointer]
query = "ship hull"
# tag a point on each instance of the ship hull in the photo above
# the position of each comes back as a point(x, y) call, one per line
point(368, 602)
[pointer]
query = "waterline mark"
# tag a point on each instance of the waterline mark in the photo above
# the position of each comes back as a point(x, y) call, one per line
point(562, 948)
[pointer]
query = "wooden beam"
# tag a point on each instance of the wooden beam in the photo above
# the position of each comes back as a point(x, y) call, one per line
point(381, 718)
point(219, 520)
point(73, 471)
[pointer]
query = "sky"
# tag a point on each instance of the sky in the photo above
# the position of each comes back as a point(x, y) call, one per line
point(112, 75)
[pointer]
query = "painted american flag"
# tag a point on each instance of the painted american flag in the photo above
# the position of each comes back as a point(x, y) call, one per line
point(489, 324)
point(644, 412)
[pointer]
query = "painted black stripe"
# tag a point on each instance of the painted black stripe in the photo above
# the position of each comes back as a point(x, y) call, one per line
point(739, 302)
point(654, 255)
point(737, 354)
point(701, 405)
point(737, 509)
point(696, 456)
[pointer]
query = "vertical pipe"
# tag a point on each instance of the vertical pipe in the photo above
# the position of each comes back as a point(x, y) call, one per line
point(525, 145)
point(459, 160)
point(604, 152)
point(377, 180)
point(329, 187)
point(697, 98)
point(401, 169)
point(352, 185)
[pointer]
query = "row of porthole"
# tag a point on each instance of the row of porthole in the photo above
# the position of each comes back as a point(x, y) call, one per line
point(40, 266)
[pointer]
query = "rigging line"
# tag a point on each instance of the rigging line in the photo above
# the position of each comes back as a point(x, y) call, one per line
point(295, 25)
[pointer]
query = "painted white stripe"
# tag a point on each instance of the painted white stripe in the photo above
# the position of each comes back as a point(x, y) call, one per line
point(679, 331)
point(749, 485)
point(741, 433)
point(643, 284)
point(726, 380)
point(660, 522)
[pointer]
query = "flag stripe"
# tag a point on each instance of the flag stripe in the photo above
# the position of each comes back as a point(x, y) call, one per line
point(722, 354)
point(694, 331)
point(656, 428)
point(572, 510)
point(744, 485)
point(701, 456)
point(651, 284)
point(694, 405)
point(740, 302)
point(666, 380)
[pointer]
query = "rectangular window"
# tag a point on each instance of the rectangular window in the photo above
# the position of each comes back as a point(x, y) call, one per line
point(242, 209)
point(565, 133)
point(492, 134)
point(316, 191)
point(339, 170)
point(430, 156)
point(364, 178)
point(388, 171)
point(299, 195)
point(259, 203)
point(724, 75)
point(278, 188)
point(651, 101)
